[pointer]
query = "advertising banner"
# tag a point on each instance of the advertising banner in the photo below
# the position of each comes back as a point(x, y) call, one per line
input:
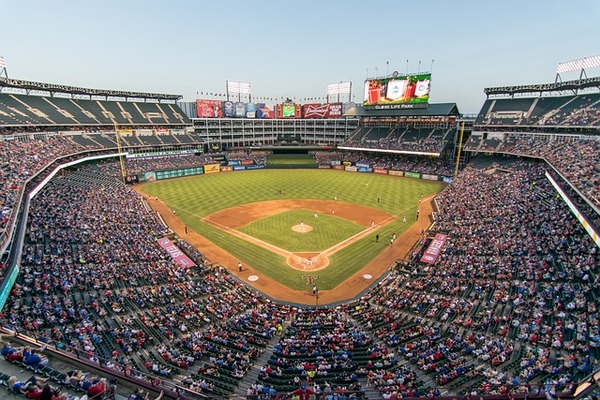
point(412, 175)
point(362, 165)
point(317, 111)
point(321, 166)
point(226, 169)
point(447, 179)
point(212, 168)
point(233, 162)
point(176, 173)
point(250, 110)
point(247, 162)
point(429, 177)
point(434, 249)
point(263, 112)
point(176, 254)
point(228, 109)
point(395, 173)
point(132, 179)
point(240, 109)
point(350, 168)
point(150, 176)
point(239, 168)
point(209, 108)
point(364, 169)
point(382, 171)
point(340, 167)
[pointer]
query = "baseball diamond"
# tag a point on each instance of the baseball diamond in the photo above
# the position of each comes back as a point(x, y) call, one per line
point(280, 239)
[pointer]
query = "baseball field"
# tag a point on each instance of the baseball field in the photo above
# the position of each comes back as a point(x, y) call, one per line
point(286, 225)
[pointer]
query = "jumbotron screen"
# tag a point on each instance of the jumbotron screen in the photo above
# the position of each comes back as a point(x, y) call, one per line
point(402, 91)
point(288, 110)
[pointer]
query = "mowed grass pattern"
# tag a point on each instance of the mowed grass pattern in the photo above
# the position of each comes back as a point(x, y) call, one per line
point(326, 230)
point(290, 159)
point(196, 197)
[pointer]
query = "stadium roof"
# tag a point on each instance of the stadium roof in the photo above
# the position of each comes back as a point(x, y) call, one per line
point(54, 88)
point(434, 110)
point(544, 87)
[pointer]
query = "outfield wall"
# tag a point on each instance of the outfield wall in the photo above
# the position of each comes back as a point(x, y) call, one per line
point(151, 176)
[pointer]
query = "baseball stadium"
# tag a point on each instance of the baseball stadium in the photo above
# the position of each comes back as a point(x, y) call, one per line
point(292, 249)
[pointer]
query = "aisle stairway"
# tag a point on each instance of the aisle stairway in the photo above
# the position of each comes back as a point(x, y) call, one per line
point(252, 376)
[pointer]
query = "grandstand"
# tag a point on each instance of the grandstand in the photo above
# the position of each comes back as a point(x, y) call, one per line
point(427, 131)
point(508, 310)
point(561, 129)
point(561, 107)
point(571, 112)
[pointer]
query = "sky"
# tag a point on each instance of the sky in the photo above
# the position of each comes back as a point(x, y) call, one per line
point(293, 49)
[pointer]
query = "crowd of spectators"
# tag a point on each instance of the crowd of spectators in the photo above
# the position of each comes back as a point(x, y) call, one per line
point(576, 160)
point(19, 161)
point(258, 157)
point(566, 111)
point(94, 279)
point(397, 162)
point(433, 141)
point(518, 272)
point(585, 113)
point(510, 305)
point(136, 165)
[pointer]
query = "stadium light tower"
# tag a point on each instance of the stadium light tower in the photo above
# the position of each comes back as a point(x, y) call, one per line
point(238, 88)
point(3, 70)
point(337, 89)
point(577, 65)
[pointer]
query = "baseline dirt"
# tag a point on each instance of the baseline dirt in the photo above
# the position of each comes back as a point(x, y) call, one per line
point(244, 214)
point(232, 218)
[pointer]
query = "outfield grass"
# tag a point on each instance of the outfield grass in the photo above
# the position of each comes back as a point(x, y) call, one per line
point(199, 196)
point(290, 159)
point(277, 230)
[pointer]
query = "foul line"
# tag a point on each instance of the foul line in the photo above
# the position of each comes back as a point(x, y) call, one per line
point(332, 250)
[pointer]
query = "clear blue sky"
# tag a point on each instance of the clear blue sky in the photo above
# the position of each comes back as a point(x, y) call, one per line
point(294, 48)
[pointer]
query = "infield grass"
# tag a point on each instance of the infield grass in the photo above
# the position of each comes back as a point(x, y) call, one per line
point(196, 197)
point(326, 231)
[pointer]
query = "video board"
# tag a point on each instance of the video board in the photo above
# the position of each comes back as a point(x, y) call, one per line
point(400, 91)
point(288, 109)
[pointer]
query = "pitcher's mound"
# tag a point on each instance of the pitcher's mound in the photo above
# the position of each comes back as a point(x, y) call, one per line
point(302, 228)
